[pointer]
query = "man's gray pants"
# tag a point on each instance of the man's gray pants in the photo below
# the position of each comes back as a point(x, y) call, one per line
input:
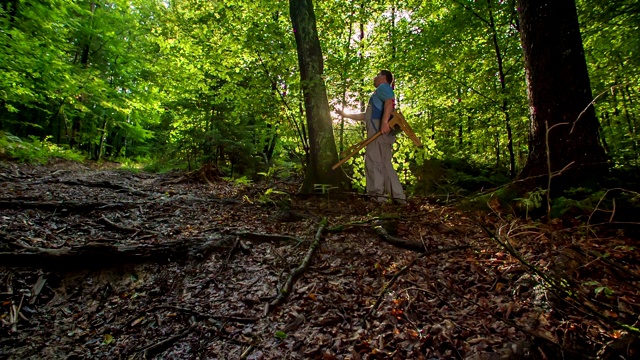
point(380, 175)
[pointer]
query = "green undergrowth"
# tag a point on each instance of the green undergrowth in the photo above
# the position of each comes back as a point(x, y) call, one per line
point(453, 180)
point(34, 150)
point(614, 200)
point(161, 166)
point(473, 188)
point(134, 165)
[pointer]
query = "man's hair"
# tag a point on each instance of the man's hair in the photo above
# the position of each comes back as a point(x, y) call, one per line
point(388, 75)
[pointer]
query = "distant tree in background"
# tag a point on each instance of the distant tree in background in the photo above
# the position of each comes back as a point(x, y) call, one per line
point(609, 32)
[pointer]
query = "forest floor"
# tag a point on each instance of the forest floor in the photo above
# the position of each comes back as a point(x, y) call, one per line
point(107, 264)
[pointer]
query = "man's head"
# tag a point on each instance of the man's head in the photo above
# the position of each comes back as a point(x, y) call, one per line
point(383, 77)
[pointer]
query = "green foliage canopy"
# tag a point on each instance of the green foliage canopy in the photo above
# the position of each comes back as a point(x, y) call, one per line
point(192, 81)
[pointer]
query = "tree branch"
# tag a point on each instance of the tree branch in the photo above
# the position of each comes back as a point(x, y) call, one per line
point(471, 10)
point(288, 287)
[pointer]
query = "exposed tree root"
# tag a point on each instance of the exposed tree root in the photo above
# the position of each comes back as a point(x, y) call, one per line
point(100, 254)
point(295, 275)
point(399, 242)
point(65, 207)
point(110, 224)
point(97, 184)
point(207, 174)
point(364, 223)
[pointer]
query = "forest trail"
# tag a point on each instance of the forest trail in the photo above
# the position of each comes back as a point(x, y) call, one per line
point(106, 264)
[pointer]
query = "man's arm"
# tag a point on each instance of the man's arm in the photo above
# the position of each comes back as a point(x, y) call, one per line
point(386, 116)
point(356, 116)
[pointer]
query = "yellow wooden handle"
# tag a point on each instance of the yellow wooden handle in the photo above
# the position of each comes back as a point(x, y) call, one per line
point(356, 148)
point(396, 119)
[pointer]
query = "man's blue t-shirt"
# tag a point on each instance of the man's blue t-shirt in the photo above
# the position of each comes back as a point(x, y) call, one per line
point(383, 93)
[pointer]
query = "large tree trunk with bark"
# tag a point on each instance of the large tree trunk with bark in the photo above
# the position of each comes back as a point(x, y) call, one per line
point(322, 144)
point(564, 128)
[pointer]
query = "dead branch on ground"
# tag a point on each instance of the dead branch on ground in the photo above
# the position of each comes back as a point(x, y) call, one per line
point(265, 237)
point(152, 350)
point(240, 319)
point(574, 299)
point(295, 275)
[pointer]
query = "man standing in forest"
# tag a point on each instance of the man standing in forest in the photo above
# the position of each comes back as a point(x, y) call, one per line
point(379, 172)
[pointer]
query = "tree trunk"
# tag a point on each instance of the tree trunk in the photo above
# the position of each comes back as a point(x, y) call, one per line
point(503, 90)
point(362, 47)
point(631, 122)
point(75, 129)
point(84, 57)
point(497, 146)
point(346, 81)
point(559, 97)
point(11, 8)
point(322, 152)
point(103, 136)
point(270, 146)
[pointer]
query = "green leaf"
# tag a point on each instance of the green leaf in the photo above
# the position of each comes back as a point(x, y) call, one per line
point(603, 289)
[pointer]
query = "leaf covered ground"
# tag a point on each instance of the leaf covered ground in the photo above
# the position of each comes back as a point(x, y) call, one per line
point(187, 267)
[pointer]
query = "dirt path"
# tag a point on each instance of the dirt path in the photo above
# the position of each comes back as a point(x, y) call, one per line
point(106, 264)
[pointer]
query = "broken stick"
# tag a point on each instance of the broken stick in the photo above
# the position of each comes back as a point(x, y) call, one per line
point(295, 275)
point(152, 350)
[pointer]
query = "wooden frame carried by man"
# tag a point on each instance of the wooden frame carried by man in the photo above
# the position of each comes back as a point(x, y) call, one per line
point(397, 123)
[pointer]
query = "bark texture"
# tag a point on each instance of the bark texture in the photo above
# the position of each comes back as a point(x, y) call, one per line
point(559, 92)
point(322, 152)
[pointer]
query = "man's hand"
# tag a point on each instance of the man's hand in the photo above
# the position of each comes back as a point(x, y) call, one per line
point(389, 105)
point(384, 127)
point(357, 116)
